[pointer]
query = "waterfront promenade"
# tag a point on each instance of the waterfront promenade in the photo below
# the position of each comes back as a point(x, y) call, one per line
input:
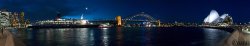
point(237, 38)
point(7, 39)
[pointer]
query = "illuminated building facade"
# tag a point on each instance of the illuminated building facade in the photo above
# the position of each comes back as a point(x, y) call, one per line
point(214, 19)
point(4, 18)
point(211, 17)
point(159, 23)
point(15, 20)
point(22, 20)
point(12, 19)
point(119, 20)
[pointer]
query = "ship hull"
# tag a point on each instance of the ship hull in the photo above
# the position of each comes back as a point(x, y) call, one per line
point(64, 26)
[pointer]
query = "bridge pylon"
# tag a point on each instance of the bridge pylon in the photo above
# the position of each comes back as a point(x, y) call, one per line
point(119, 21)
point(158, 23)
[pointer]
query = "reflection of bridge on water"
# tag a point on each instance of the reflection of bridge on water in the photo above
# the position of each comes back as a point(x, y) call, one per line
point(139, 20)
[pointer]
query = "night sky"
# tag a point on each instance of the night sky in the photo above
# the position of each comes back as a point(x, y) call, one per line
point(165, 10)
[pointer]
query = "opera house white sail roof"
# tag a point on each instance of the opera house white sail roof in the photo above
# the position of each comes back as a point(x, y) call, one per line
point(211, 17)
point(224, 16)
point(214, 18)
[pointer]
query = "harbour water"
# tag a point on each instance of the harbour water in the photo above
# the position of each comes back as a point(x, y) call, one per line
point(121, 36)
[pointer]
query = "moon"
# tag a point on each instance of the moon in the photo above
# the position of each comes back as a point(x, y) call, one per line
point(86, 8)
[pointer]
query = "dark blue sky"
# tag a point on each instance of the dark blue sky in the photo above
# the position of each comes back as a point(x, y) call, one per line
point(165, 10)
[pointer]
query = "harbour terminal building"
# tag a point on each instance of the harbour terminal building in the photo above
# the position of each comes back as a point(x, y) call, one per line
point(214, 19)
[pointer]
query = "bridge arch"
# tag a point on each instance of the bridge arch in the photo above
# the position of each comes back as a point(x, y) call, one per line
point(142, 14)
point(135, 21)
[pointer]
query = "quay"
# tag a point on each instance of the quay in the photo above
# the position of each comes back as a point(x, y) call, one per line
point(7, 39)
point(238, 38)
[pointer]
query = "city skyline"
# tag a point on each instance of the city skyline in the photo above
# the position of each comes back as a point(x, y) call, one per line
point(166, 11)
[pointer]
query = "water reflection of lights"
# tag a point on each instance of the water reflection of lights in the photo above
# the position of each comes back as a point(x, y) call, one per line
point(105, 28)
point(105, 37)
point(211, 35)
point(60, 35)
point(119, 36)
point(49, 35)
point(92, 38)
point(209, 29)
point(82, 36)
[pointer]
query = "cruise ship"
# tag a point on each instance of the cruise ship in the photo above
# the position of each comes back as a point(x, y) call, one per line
point(63, 23)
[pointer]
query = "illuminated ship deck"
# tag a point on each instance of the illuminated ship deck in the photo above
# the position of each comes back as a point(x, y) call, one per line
point(63, 23)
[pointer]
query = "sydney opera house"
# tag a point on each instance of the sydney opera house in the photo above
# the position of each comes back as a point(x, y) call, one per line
point(214, 19)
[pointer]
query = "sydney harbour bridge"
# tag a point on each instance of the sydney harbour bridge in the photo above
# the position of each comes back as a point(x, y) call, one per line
point(137, 20)
point(142, 20)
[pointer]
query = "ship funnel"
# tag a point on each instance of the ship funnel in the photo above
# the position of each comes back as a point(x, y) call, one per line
point(58, 16)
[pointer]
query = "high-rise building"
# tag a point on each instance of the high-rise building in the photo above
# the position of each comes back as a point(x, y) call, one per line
point(22, 20)
point(12, 19)
point(4, 19)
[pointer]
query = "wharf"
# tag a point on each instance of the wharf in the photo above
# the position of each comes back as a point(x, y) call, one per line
point(7, 39)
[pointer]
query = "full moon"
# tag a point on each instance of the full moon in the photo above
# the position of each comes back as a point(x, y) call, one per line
point(86, 8)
